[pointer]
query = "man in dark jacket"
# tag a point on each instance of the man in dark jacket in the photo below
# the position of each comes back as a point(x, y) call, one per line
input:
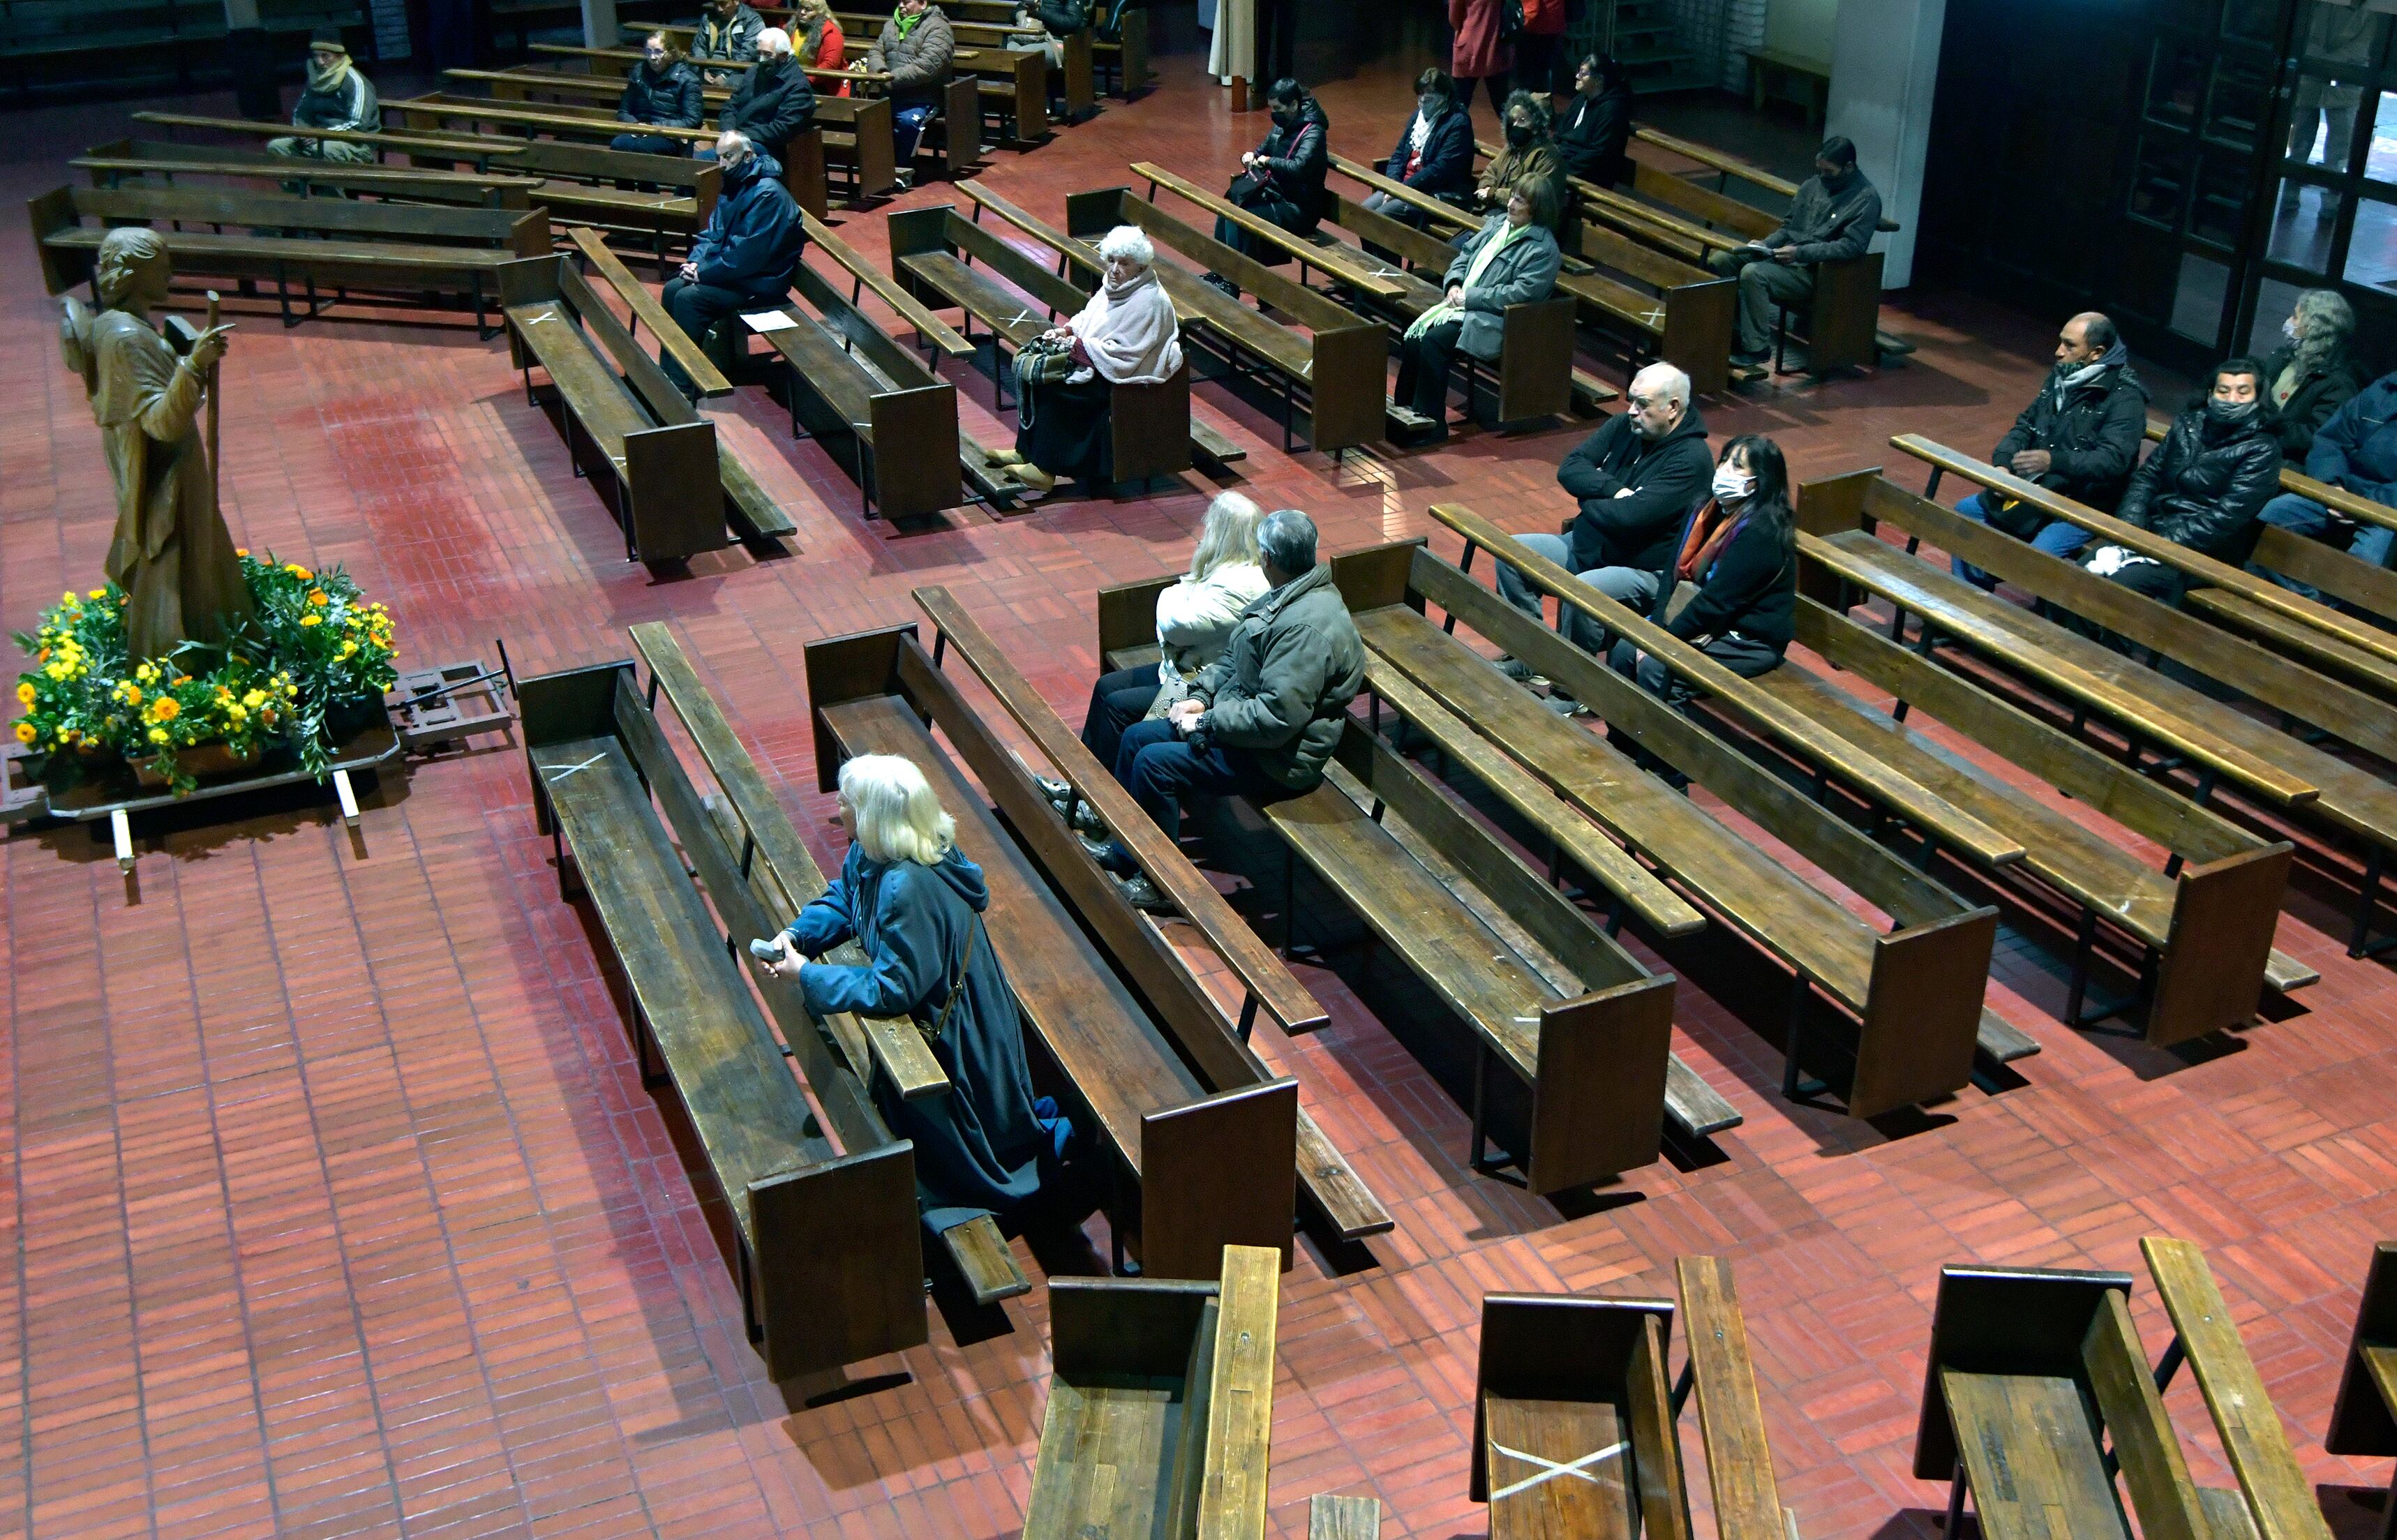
point(745, 257)
point(1636, 479)
point(774, 99)
point(1832, 218)
point(1597, 124)
point(1282, 179)
point(2355, 451)
point(2202, 488)
point(1261, 720)
point(728, 35)
point(337, 96)
point(659, 90)
point(1434, 153)
point(2080, 437)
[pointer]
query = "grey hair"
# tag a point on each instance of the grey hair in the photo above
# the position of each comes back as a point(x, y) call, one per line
point(124, 252)
point(1128, 242)
point(2324, 322)
point(1666, 381)
point(773, 40)
point(1286, 541)
point(734, 139)
point(893, 811)
point(1229, 535)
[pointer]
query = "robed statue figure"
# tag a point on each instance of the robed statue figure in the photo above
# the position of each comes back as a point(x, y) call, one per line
point(172, 555)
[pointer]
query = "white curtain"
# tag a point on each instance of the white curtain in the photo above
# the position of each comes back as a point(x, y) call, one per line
point(1235, 48)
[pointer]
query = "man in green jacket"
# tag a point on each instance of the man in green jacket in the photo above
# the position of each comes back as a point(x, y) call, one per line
point(1263, 719)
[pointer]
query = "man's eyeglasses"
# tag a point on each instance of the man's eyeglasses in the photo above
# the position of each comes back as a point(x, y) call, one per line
point(1645, 403)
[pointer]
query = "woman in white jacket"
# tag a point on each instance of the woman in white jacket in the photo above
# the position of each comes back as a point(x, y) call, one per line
point(1127, 335)
point(1194, 618)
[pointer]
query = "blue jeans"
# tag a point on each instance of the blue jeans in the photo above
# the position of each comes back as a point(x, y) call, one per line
point(1159, 767)
point(2056, 537)
point(2303, 517)
point(907, 130)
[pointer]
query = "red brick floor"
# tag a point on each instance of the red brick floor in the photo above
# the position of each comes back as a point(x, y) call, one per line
point(338, 1206)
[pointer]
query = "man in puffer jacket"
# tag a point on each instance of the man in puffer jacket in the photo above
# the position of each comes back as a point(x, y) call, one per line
point(337, 97)
point(917, 51)
point(2355, 451)
point(2080, 437)
point(2203, 488)
point(1832, 218)
point(745, 258)
point(659, 91)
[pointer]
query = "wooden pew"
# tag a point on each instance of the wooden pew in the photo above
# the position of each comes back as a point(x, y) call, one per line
point(1160, 1406)
point(828, 1245)
point(1646, 140)
point(931, 253)
point(2205, 932)
point(1126, 59)
point(1352, 270)
point(1731, 1418)
point(1004, 81)
point(1914, 991)
point(1341, 363)
point(1162, 971)
point(2363, 1419)
point(2032, 1372)
point(641, 305)
point(1687, 320)
point(778, 878)
point(1211, 1168)
point(2325, 637)
point(395, 247)
point(2279, 1498)
point(1333, 1518)
point(439, 147)
point(112, 162)
point(1572, 1426)
point(937, 335)
point(675, 484)
point(2223, 744)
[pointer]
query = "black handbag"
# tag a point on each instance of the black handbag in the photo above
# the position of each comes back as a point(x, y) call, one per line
point(1510, 19)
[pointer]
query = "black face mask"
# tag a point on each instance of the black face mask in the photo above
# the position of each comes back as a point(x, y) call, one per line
point(2227, 414)
point(1519, 134)
point(1286, 117)
point(1838, 181)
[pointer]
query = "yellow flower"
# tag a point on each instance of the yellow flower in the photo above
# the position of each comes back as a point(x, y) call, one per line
point(97, 594)
point(166, 709)
point(67, 598)
point(253, 698)
point(241, 550)
point(25, 733)
point(25, 691)
point(145, 674)
point(291, 691)
point(348, 649)
point(318, 596)
point(300, 572)
point(129, 692)
point(237, 712)
point(159, 735)
point(312, 620)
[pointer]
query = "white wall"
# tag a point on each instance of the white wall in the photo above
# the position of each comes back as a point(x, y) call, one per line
point(1803, 27)
point(1884, 66)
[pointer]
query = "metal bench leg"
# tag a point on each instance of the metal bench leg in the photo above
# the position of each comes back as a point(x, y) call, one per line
point(1955, 1502)
point(1793, 1083)
point(2358, 942)
point(1481, 1100)
point(1248, 1017)
point(750, 1319)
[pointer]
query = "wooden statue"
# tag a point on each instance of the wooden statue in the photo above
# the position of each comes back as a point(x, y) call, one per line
point(172, 555)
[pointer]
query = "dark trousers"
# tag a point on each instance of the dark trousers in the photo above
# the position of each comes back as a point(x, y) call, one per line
point(696, 308)
point(1117, 700)
point(1423, 369)
point(1268, 205)
point(1159, 768)
point(1495, 85)
point(648, 144)
point(1276, 41)
point(1743, 655)
point(2151, 579)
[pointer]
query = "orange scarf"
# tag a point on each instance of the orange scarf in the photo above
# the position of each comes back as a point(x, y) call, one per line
point(1709, 532)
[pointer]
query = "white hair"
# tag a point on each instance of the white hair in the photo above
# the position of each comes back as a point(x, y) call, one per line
point(732, 144)
point(1127, 242)
point(893, 812)
point(1229, 535)
point(1666, 381)
point(773, 40)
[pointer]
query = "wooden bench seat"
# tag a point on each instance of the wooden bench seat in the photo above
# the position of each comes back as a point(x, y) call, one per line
point(1915, 991)
point(1212, 1168)
point(1352, 270)
point(2366, 587)
point(828, 1245)
point(1573, 1426)
point(2295, 639)
point(2364, 1418)
point(111, 161)
point(2033, 1373)
point(1159, 1419)
point(936, 334)
point(481, 153)
point(1731, 1418)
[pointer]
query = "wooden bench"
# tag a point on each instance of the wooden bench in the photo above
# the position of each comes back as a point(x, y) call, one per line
point(1914, 991)
point(401, 248)
point(1646, 143)
point(1212, 1168)
point(1341, 364)
point(931, 253)
point(2363, 1419)
point(1572, 1426)
point(2279, 1497)
point(2220, 743)
point(112, 164)
point(2204, 932)
point(1125, 58)
point(1159, 1421)
point(1355, 271)
point(444, 147)
point(1335, 1518)
point(983, 52)
point(1181, 998)
point(1774, 73)
point(1687, 320)
point(2033, 1373)
point(1730, 1417)
point(827, 1244)
point(675, 486)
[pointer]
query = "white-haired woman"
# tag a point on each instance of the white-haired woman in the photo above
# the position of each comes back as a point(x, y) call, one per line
point(1127, 335)
point(914, 903)
point(2312, 373)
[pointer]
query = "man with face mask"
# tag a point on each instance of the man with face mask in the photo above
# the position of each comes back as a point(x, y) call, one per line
point(774, 99)
point(1636, 479)
point(2203, 488)
point(1282, 179)
point(337, 97)
point(1831, 218)
point(1434, 153)
point(745, 258)
point(2078, 437)
point(728, 35)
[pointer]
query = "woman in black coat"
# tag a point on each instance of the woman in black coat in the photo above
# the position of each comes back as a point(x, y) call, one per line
point(1434, 154)
point(2310, 375)
point(664, 90)
point(1734, 583)
point(1596, 125)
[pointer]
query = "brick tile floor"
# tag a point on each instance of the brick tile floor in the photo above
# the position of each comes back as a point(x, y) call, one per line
point(338, 1206)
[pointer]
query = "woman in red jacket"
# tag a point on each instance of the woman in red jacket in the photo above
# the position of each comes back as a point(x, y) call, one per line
point(816, 39)
point(1479, 50)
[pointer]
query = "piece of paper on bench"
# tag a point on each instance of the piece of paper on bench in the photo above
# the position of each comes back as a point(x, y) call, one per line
point(767, 320)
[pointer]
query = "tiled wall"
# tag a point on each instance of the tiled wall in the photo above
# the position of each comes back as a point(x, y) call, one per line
point(1716, 31)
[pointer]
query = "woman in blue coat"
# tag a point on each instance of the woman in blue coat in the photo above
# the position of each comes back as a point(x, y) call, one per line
point(915, 904)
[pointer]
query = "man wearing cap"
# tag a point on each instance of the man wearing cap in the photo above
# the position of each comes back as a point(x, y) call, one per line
point(1833, 216)
point(337, 97)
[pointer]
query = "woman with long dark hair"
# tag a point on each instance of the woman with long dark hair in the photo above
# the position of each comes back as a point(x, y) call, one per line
point(1732, 588)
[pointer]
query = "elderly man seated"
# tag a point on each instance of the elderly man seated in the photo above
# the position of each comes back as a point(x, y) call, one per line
point(745, 258)
point(337, 96)
point(1261, 720)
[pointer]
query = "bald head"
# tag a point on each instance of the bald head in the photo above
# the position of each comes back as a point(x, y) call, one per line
point(2086, 339)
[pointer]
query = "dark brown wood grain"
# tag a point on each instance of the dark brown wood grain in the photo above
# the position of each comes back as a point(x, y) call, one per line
point(1730, 1417)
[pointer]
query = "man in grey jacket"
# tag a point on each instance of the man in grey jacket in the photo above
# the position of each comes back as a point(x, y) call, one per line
point(337, 96)
point(728, 35)
point(1261, 720)
point(917, 51)
point(1832, 217)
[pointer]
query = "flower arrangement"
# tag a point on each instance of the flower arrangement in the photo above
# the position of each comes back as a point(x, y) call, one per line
point(318, 648)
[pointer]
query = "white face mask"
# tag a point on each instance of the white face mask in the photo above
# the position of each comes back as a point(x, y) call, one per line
point(2289, 328)
point(1731, 484)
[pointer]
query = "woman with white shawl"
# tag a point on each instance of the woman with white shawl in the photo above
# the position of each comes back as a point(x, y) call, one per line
point(1127, 335)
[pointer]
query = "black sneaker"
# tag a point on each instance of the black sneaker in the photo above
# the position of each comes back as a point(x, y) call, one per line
point(1141, 894)
point(1055, 791)
point(1515, 668)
